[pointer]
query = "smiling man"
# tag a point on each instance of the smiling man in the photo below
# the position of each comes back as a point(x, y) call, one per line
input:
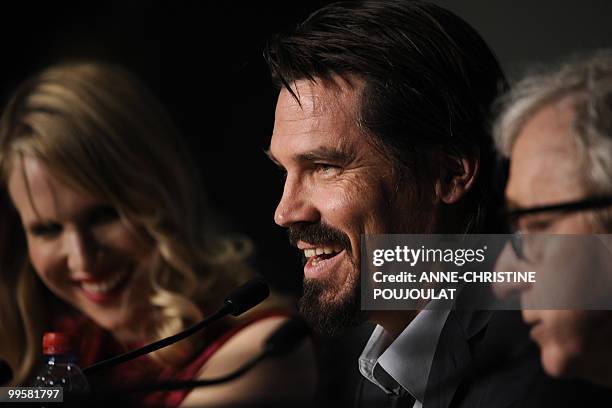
point(338, 187)
point(381, 127)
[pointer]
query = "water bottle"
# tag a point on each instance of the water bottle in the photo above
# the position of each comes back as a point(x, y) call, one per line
point(61, 367)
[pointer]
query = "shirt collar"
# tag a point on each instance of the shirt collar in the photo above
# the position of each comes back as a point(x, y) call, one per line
point(405, 362)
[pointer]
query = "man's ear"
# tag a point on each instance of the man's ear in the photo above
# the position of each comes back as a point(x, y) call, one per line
point(457, 176)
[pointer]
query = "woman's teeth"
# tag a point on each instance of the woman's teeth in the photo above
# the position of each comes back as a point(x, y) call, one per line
point(104, 286)
point(315, 252)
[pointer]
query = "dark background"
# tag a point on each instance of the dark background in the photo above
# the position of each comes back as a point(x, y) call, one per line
point(203, 60)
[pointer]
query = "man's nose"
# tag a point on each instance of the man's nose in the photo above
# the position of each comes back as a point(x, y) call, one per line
point(81, 250)
point(295, 205)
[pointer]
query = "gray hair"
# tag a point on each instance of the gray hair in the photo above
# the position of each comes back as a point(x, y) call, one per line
point(588, 82)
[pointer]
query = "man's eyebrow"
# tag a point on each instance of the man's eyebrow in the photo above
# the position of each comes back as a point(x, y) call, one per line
point(327, 154)
point(320, 153)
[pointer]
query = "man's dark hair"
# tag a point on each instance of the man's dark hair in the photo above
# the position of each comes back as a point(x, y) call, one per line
point(430, 81)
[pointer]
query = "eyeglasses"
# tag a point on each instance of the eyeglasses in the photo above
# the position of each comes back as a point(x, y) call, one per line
point(592, 203)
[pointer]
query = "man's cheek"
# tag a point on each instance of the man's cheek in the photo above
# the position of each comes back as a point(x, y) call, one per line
point(337, 200)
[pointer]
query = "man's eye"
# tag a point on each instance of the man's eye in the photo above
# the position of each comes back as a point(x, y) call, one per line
point(45, 230)
point(326, 168)
point(537, 225)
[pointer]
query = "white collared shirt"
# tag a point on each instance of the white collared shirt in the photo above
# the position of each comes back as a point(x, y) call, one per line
point(408, 359)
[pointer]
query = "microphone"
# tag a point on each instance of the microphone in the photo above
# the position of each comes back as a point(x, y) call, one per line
point(247, 296)
point(6, 374)
point(284, 340)
point(239, 300)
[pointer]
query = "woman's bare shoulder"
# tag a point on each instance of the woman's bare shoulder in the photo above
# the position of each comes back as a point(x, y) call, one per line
point(291, 378)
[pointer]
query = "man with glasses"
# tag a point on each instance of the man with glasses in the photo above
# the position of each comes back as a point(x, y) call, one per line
point(556, 129)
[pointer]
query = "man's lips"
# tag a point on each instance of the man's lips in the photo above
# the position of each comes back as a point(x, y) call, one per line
point(322, 264)
point(320, 258)
point(308, 246)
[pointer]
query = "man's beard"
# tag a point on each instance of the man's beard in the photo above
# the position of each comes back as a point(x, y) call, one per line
point(327, 317)
point(327, 305)
point(330, 317)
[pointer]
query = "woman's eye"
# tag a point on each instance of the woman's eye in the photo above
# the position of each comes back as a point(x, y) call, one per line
point(104, 215)
point(45, 230)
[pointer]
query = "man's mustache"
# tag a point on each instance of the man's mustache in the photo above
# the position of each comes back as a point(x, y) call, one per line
point(317, 234)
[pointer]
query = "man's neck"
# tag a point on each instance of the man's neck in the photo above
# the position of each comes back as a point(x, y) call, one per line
point(394, 322)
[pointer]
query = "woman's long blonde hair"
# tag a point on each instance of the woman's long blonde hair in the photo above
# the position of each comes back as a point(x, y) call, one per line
point(98, 128)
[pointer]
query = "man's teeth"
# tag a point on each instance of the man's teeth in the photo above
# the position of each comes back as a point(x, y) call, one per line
point(103, 286)
point(309, 253)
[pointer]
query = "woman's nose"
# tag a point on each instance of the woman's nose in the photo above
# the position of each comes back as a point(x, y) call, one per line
point(81, 251)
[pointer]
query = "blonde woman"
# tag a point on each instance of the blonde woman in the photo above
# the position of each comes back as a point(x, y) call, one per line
point(105, 232)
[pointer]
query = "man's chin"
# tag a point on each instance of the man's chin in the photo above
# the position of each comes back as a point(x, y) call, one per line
point(330, 317)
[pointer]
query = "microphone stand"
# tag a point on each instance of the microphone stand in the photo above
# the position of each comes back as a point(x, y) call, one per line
point(284, 340)
point(149, 348)
point(240, 300)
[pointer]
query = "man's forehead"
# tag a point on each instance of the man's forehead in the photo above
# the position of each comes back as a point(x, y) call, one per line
point(322, 117)
point(305, 98)
point(550, 129)
point(319, 96)
point(545, 164)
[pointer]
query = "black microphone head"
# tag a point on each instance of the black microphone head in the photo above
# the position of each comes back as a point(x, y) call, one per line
point(248, 295)
point(287, 337)
point(6, 374)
